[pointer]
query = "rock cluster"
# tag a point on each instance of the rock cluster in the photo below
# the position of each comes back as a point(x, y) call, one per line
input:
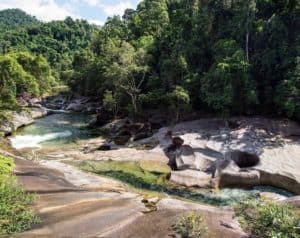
point(245, 152)
point(75, 103)
point(131, 131)
point(20, 119)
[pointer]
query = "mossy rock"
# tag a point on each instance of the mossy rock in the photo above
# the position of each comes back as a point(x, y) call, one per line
point(155, 167)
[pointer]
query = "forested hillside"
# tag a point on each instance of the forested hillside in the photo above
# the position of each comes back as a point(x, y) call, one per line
point(57, 41)
point(14, 18)
point(230, 57)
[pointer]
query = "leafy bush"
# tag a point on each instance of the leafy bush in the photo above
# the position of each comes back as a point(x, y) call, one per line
point(267, 219)
point(15, 214)
point(6, 165)
point(191, 225)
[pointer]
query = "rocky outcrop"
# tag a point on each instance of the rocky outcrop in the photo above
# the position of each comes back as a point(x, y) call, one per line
point(23, 118)
point(75, 107)
point(72, 203)
point(192, 178)
point(74, 103)
point(257, 149)
point(123, 131)
point(294, 201)
point(233, 176)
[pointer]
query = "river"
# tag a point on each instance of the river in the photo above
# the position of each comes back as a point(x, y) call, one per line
point(56, 130)
point(67, 130)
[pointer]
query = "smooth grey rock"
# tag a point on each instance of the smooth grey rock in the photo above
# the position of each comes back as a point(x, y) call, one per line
point(294, 201)
point(185, 158)
point(76, 107)
point(191, 178)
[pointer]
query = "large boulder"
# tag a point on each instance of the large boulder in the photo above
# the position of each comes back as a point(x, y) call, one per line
point(192, 178)
point(21, 119)
point(76, 107)
point(185, 158)
point(38, 112)
point(5, 129)
point(294, 201)
point(233, 176)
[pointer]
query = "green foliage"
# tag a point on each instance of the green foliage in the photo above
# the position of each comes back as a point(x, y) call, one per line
point(233, 57)
point(57, 41)
point(191, 225)
point(23, 74)
point(140, 175)
point(288, 92)
point(15, 214)
point(230, 57)
point(179, 98)
point(109, 102)
point(226, 87)
point(150, 176)
point(268, 219)
point(13, 18)
point(6, 166)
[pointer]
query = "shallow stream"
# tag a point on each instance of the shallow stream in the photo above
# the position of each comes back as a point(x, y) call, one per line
point(58, 131)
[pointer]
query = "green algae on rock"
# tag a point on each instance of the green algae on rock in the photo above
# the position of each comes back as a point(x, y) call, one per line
point(152, 176)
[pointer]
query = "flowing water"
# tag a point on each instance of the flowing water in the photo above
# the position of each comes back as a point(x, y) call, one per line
point(58, 131)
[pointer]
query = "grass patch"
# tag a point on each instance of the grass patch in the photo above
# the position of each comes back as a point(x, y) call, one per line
point(15, 213)
point(150, 176)
point(267, 219)
point(191, 225)
point(6, 166)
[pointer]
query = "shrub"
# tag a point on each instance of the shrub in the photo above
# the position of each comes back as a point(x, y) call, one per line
point(15, 214)
point(6, 165)
point(267, 219)
point(191, 225)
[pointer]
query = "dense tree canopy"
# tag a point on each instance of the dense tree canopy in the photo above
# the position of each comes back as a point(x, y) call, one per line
point(226, 56)
point(23, 74)
point(57, 41)
point(230, 56)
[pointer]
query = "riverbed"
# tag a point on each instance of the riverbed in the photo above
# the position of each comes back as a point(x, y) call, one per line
point(58, 133)
point(56, 130)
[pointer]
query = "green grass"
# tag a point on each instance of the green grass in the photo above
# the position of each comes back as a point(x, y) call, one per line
point(15, 213)
point(267, 219)
point(148, 176)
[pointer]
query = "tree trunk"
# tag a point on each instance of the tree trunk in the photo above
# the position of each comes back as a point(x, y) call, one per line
point(247, 45)
point(133, 100)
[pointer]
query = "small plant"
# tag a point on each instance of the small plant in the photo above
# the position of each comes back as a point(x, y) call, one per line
point(267, 219)
point(6, 165)
point(15, 212)
point(191, 225)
